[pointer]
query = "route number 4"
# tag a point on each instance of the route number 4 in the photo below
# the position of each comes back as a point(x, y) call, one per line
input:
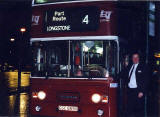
point(85, 20)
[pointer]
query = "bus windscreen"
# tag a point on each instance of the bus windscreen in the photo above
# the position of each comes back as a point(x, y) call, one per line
point(75, 59)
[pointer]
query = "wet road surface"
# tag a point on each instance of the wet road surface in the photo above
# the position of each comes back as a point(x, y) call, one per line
point(14, 102)
point(15, 105)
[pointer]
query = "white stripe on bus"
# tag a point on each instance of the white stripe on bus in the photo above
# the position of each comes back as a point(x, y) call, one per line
point(65, 78)
point(67, 2)
point(76, 38)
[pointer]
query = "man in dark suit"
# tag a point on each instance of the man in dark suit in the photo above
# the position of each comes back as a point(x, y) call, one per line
point(136, 78)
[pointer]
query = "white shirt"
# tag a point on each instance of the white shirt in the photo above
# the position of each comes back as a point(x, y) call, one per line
point(132, 83)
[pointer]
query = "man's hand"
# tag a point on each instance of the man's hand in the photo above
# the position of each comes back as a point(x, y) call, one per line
point(140, 95)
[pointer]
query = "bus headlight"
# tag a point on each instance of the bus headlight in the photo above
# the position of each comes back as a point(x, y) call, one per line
point(96, 98)
point(41, 95)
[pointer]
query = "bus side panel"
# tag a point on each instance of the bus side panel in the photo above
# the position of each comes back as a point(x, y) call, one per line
point(113, 101)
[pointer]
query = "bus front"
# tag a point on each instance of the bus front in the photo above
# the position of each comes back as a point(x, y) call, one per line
point(75, 59)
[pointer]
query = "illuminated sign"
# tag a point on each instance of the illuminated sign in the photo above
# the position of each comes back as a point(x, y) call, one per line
point(105, 16)
point(77, 19)
point(35, 20)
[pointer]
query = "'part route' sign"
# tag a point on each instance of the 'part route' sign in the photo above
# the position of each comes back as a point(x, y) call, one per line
point(79, 19)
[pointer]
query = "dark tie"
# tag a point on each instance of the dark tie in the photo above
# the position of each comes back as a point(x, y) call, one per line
point(131, 72)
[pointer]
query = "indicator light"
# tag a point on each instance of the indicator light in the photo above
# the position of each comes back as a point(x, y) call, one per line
point(105, 99)
point(34, 94)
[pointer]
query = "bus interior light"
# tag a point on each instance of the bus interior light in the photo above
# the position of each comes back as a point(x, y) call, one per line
point(41, 95)
point(96, 98)
point(106, 73)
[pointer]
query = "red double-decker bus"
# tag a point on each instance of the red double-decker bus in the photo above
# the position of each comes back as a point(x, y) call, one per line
point(75, 59)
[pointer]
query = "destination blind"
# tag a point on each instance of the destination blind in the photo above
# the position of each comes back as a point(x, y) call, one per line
point(76, 19)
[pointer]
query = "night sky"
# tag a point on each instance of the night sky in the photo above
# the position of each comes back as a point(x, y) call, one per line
point(14, 14)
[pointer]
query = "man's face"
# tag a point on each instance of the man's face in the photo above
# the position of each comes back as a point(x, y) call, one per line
point(135, 58)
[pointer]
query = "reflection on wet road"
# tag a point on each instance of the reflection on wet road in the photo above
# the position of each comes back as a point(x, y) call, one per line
point(13, 103)
point(18, 105)
point(12, 80)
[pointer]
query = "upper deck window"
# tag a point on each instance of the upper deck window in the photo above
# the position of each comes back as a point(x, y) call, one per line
point(50, 1)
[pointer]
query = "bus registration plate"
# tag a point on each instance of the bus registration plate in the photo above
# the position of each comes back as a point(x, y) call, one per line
point(67, 108)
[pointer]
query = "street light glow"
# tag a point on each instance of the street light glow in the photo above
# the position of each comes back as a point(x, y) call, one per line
point(12, 39)
point(23, 30)
point(157, 55)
